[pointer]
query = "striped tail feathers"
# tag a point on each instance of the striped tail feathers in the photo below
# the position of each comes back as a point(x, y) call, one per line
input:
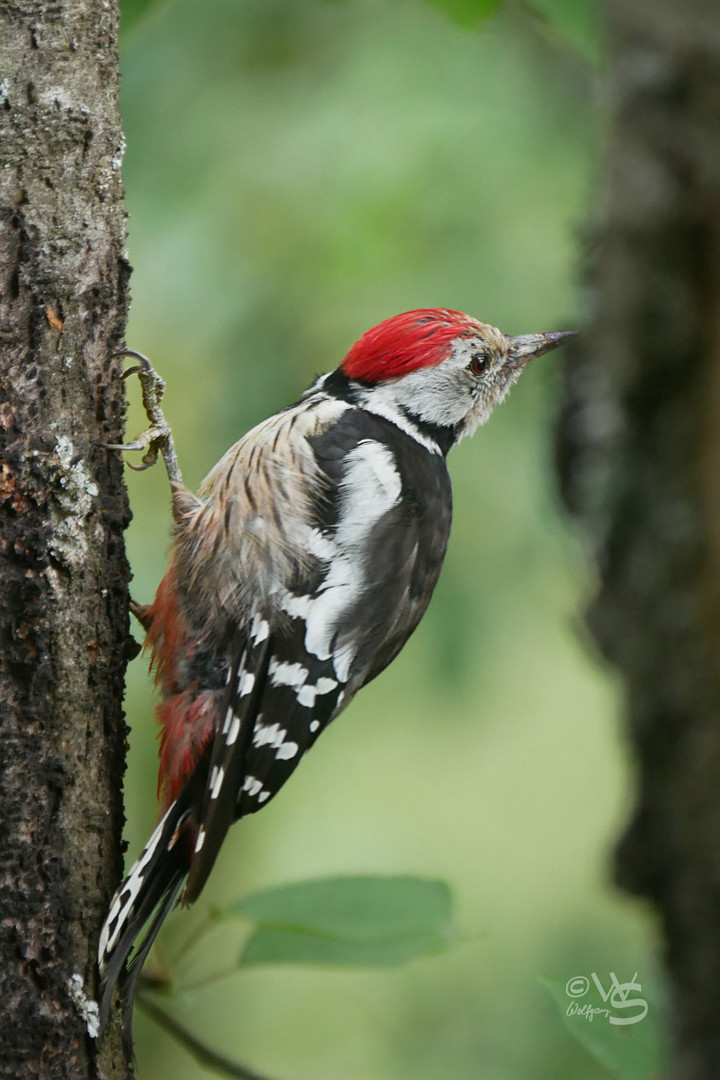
point(154, 879)
point(227, 765)
point(186, 841)
point(130, 977)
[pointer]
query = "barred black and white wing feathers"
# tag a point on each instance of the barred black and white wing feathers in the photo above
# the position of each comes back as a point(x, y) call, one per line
point(372, 576)
point(364, 584)
point(228, 760)
point(362, 551)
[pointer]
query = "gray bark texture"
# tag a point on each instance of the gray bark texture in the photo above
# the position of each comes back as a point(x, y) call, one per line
point(63, 508)
point(639, 457)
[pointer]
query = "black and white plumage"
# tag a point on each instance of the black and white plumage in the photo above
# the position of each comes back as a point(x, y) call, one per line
point(298, 573)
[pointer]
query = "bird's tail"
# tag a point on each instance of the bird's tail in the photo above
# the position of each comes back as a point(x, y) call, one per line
point(152, 886)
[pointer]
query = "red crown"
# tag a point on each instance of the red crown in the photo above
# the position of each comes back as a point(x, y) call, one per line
point(407, 342)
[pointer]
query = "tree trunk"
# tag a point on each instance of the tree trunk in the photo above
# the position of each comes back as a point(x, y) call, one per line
point(640, 466)
point(63, 507)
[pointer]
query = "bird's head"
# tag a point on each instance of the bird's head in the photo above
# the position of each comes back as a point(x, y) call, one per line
point(442, 368)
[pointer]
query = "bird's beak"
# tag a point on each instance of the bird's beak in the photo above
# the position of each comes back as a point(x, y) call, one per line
point(524, 348)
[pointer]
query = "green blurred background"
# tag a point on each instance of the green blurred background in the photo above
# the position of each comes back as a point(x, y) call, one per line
point(296, 172)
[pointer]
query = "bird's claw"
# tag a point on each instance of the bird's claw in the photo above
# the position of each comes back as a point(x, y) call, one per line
point(157, 438)
point(152, 440)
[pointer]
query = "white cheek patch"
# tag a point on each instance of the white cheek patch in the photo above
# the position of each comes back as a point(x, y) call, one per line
point(444, 394)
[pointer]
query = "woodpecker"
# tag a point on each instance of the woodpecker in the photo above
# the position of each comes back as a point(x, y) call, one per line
point(297, 573)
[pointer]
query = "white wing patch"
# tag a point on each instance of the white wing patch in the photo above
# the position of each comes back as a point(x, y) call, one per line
point(254, 789)
point(246, 681)
point(274, 736)
point(371, 487)
point(259, 630)
point(298, 607)
point(319, 545)
point(233, 732)
point(308, 694)
point(284, 674)
point(218, 775)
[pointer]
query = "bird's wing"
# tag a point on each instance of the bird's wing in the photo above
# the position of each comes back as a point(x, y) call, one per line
point(374, 545)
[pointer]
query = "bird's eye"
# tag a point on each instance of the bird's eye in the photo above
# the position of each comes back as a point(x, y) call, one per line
point(479, 363)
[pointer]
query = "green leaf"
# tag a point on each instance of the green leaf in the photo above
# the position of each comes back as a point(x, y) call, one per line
point(576, 22)
point(629, 1051)
point(359, 921)
point(268, 945)
point(469, 13)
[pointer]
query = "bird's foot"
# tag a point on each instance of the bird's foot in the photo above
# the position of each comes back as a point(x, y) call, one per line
point(141, 613)
point(157, 438)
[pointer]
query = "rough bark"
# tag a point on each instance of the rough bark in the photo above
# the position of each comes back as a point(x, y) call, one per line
point(640, 466)
point(63, 508)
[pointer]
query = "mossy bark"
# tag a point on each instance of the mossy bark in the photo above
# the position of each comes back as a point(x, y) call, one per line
point(640, 466)
point(63, 508)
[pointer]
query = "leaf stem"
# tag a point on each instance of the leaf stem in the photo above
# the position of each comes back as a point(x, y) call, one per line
point(195, 935)
point(205, 980)
point(204, 1054)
